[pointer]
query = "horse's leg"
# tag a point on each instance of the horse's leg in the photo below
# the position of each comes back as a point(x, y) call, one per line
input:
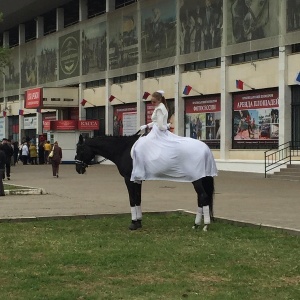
point(205, 201)
point(134, 192)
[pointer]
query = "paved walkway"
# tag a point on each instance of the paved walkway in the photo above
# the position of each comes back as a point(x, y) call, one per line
point(245, 197)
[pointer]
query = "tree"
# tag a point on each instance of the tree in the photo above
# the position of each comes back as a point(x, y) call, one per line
point(4, 52)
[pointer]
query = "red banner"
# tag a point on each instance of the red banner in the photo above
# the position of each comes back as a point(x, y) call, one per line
point(63, 125)
point(88, 125)
point(149, 111)
point(203, 105)
point(34, 98)
point(256, 100)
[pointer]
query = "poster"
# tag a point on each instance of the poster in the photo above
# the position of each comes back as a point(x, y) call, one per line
point(28, 65)
point(293, 15)
point(124, 118)
point(93, 48)
point(158, 34)
point(203, 119)
point(251, 20)
point(256, 120)
point(123, 43)
point(201, 25)
point(12, 71)
point(47, 59)
point(69, 55)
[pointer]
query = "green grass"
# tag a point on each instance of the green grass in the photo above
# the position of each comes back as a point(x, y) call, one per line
point(102, 259)
point(14, 187)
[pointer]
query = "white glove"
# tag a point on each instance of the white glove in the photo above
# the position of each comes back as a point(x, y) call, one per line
point(168, 125)
point(143, 127)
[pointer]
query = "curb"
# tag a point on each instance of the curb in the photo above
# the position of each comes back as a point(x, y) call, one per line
point(25, 190)
point(290, 231)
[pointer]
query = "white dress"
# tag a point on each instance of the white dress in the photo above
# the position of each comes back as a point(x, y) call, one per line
point(162, 155)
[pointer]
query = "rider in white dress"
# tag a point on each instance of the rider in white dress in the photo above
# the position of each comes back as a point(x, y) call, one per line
point(162, 155)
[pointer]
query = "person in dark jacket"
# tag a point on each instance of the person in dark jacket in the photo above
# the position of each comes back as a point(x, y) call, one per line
point(56, 159)
point(2, 169)
point(9, 152)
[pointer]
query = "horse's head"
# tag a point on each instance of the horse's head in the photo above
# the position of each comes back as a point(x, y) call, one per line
point(84, 155)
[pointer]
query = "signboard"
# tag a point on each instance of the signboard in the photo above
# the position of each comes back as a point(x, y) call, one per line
point(203, 116)
point(64, 125)
point(88, 125)
point(256, 120)
point(33, 98)
point(30, 122)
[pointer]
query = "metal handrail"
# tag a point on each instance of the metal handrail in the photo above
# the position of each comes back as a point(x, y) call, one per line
point(285, 154)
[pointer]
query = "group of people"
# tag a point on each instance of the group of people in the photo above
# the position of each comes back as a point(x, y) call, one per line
point(11, 153)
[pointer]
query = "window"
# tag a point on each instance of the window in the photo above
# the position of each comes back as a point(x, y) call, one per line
point(95, 8)
point(254, 55)
point(13, 37)
point(49, 22)
point(30, 30)
point(71, 13)
point(160, 72)
point(95, 83)
point(295, 48)
point(204, 64)
point(121, 3)
point(125, 78)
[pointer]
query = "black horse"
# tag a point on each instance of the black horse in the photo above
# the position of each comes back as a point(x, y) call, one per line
point(117, 150)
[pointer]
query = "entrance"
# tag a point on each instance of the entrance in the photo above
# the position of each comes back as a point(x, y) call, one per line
point(295, 116)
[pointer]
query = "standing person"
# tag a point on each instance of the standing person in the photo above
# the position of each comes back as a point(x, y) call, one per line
point(33, 154)
point(25, 153)
point(6, 147)
point(2, 170)
point(47, 149)
point(56, 159)
point(16, 152)
point(41, 152)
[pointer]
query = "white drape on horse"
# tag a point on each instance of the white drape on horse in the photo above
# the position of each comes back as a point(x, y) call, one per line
point(162, 155)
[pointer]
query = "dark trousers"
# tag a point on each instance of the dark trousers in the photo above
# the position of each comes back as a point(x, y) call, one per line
point(1, 182)
point(55, 167)
point(7, 169)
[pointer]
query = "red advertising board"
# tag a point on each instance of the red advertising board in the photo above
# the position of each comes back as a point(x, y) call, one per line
point(64, 125)
point(88, 125)
point(33, 98)
point(205, 105)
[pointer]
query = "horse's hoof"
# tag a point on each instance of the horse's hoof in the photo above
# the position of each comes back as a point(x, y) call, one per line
point(196, 226)
point(205, 228)
point(135, 225)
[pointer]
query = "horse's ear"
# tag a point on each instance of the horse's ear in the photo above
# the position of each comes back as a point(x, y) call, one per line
point(80, 141)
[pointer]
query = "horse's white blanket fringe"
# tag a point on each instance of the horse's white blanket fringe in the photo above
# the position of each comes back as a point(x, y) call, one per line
point(162, 155)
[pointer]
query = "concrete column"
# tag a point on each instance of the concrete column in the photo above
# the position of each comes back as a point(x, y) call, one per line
point(60, 19)
point(179, 102)
point(226, 112)
point(39, 126)
point(284, 98)
point(141, 105)
point(109, 112)
point(21, 118)
point(39, 27)
point(82, 110)
point(83, 10)
point(21, 34)
point(110, 5)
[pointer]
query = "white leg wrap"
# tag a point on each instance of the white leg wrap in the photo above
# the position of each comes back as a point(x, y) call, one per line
point(133, 213)
point(139, 212)
point(206, 214)
point(199, 216)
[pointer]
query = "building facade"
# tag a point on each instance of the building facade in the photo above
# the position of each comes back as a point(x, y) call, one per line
point(228, 69)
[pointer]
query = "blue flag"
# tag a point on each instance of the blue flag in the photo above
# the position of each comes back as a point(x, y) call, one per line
point(298, 78)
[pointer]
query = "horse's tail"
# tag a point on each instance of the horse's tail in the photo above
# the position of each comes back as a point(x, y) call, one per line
point(208, 183)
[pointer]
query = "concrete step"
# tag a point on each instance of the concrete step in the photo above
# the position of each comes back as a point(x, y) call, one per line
point(285, 177)
point(287, 173)
point(289, 170)
point(293, 166)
